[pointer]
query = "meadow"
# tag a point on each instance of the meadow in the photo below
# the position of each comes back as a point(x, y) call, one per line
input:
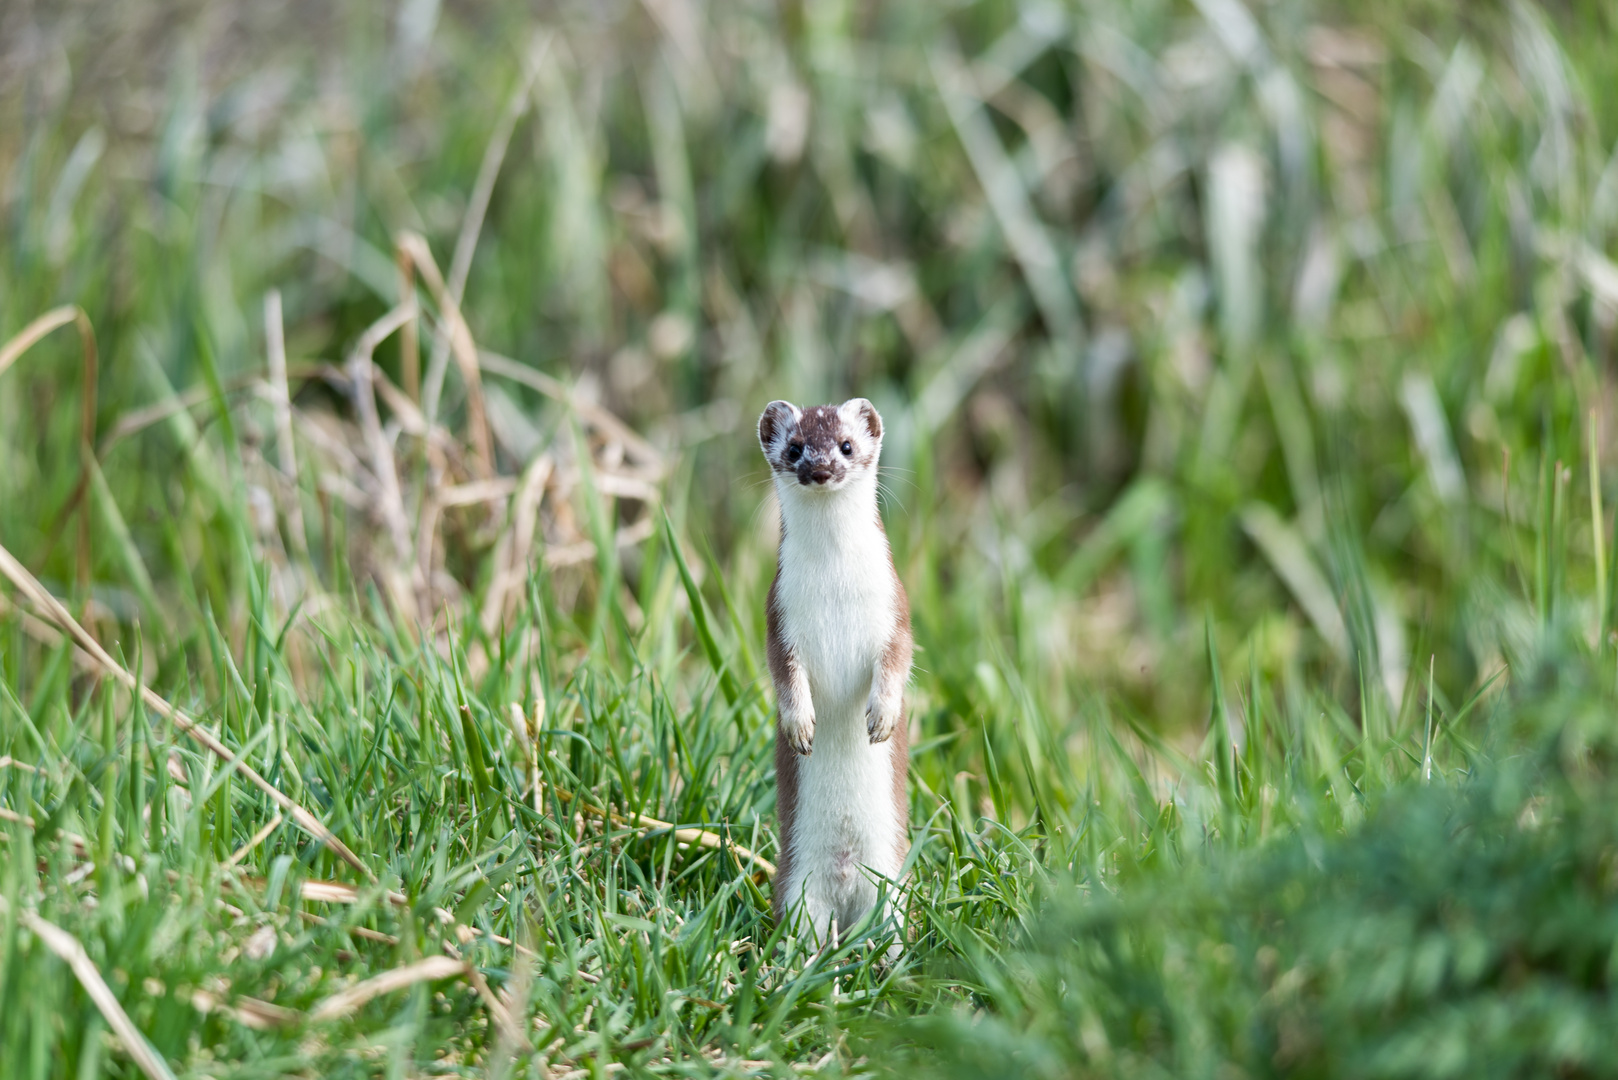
point(384, 537)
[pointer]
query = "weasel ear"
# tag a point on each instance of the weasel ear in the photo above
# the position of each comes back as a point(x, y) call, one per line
point(778, 419)
point(860, 411)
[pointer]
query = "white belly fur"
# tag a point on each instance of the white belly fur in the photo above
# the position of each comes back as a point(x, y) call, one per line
point(847, 828)
point(837, 603)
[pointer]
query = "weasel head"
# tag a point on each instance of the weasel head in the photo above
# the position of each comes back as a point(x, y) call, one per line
point(821, 449)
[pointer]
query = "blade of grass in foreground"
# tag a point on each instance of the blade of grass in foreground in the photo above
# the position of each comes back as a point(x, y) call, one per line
point(699, 616)
point(26, 583)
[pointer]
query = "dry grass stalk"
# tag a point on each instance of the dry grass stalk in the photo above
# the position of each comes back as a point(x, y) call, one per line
point(405, 413)
point(355, 931)
point(30, 335)
point(260, 1015)
point(364, 471)
point(402, 583)
point(700, 837)
point(255, 840)
point(68, 948)
point(47, 604)
point(461, 346)
point(593, 416)
point(477, 491)
point(75, 842)
point(16, 818)
point(336, 892)
point(281, 403)
point(364, 467)
point(345, 1002)
point(527, 735)
point(514, 998)
point(497, 1009)
point(333, 446)
point(263, 1015)
point(137, 420)
point(584, 551)
point(44, 633)
point(331, 892)
point(512, 551)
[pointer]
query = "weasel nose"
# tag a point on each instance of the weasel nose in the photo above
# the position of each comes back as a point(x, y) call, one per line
point(820, 474)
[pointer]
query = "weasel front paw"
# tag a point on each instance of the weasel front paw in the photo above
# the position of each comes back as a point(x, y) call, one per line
point(882, 716)
point(798, 728)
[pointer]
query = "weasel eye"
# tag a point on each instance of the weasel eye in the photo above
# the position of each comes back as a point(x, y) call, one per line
point(847, 448)
point(795, 451)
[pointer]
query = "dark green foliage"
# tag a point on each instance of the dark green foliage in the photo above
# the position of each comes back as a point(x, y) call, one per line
point(1466, 929)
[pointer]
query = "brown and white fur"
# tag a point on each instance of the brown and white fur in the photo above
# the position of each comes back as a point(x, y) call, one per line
point(839, 651)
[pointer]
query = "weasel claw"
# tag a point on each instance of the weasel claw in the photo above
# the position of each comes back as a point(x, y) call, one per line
point(799, 734)
point(879, 722)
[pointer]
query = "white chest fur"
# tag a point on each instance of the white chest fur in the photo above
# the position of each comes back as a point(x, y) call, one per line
point(836, 592)
point(837, 598)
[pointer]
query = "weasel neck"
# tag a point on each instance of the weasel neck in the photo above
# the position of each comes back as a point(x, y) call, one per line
point(843, 519)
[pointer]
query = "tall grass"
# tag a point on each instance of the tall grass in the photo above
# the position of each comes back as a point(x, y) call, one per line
point(1245, 371)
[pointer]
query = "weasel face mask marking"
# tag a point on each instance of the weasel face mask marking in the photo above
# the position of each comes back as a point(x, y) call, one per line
point(821, 447)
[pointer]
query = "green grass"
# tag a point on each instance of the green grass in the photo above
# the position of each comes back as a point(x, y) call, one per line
point(1246, 373)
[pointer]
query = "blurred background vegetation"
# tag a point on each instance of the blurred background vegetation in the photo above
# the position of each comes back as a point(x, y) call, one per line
point(1246, 372)
point(1160, 298)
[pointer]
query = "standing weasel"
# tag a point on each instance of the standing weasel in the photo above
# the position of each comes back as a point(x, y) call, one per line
point(839, 650)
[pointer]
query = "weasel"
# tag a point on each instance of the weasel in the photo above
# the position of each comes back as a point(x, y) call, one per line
point(839, 652)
